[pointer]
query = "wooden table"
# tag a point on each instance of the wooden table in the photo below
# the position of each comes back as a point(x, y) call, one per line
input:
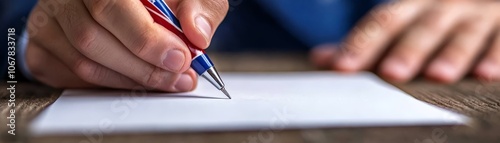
point(481, 101)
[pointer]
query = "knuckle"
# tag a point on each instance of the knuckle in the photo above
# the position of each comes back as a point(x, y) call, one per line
point(159, 79)
point(88, 71)
point(219, 8)
point(153, 79)
point(84, 39)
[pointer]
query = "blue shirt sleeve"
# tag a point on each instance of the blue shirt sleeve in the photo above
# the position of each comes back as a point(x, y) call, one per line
point(14, 14)
point(318, 21)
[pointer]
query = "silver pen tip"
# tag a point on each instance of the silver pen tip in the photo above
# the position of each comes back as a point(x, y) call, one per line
point(225, 92)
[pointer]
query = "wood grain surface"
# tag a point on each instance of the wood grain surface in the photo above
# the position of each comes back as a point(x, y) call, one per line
point(480, 101)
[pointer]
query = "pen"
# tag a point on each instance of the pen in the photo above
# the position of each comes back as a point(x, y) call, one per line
point(203, 66)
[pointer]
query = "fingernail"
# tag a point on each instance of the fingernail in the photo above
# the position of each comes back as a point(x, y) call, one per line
point(184, 83)
point(487, 70)
point(174, 60)
point(347, 63)
point(443, 69)
point(203, 26)
point(395, 70)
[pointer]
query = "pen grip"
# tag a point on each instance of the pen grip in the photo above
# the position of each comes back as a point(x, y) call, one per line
point(157, 16)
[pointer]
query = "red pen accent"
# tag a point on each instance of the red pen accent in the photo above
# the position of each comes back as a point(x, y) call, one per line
point(158, 18)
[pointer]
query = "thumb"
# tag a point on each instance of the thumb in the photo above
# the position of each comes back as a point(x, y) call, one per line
point(200, 18)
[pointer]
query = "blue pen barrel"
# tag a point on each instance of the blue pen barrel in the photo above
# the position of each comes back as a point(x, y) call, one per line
point(163, 7)
point(201, 64)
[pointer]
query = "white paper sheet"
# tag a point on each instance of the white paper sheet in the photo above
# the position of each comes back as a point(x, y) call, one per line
point(260, 101)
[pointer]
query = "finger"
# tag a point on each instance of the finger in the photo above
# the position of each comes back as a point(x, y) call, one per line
point(81, 66)
point(200, 18)
point(374, 32)
point(459, 54)
point(132, 25)
point(98, 44)
point(321, 56)
point(416, 45)
point(49, 70)
point(188, 84)
point(489, 67)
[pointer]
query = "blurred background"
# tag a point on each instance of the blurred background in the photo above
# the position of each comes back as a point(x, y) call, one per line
point(287, 25)
point(277, 35)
